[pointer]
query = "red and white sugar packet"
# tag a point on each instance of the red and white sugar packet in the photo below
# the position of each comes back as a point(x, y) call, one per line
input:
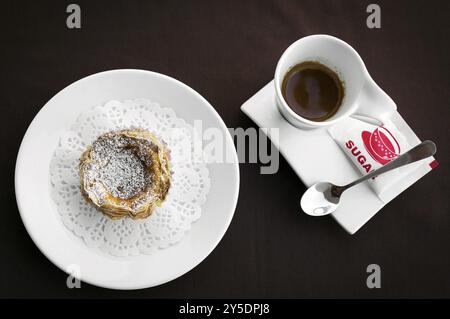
point(370, 146)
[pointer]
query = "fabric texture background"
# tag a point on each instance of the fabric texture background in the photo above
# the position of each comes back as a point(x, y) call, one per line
point(227, 50)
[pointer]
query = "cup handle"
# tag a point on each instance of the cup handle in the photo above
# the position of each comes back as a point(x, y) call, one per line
point(373, 102)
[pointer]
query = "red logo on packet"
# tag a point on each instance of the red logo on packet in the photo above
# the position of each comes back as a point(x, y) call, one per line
point(381, 145)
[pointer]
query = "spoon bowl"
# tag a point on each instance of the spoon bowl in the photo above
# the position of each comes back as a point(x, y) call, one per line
point(318, 200)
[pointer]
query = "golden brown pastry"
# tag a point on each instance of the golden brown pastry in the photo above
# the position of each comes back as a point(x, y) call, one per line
point(126, 173)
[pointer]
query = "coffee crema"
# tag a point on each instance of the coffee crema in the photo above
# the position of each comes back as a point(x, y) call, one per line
point(313, 91)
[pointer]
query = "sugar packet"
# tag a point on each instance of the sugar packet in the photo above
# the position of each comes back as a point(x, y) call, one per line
point(370, 146)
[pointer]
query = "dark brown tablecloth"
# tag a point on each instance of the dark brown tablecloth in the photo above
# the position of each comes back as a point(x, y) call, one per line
point(227, 50)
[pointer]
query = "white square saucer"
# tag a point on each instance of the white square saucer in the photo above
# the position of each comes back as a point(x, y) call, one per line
point(314, 156)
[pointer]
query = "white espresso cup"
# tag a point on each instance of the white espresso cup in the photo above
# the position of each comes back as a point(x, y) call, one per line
point(362, 96)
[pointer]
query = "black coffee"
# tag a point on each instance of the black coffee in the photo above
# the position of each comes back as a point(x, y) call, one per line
point(313, 91)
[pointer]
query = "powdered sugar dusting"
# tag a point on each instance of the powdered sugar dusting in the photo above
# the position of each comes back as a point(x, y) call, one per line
point(118, 165)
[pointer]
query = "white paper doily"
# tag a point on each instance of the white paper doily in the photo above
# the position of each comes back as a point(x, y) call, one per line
point(168, 223)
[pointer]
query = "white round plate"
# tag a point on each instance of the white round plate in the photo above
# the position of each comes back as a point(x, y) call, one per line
point(39, 213)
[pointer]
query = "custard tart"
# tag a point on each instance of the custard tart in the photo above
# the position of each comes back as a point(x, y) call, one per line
point(126, 173)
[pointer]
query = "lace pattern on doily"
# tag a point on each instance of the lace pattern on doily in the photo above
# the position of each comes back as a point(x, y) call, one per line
point(168, 223)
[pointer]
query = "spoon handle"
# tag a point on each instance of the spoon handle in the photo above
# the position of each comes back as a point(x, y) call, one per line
point(417, 153)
